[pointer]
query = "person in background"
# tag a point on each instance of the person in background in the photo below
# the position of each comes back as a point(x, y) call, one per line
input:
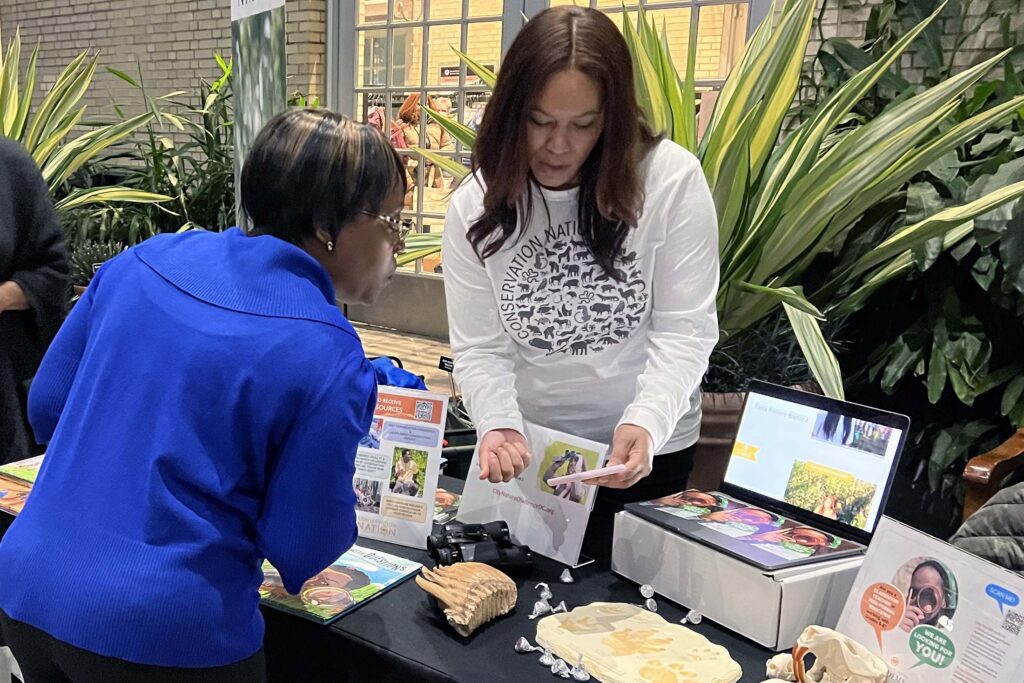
point(203, 404)
point(33, 288)
point(581, 268)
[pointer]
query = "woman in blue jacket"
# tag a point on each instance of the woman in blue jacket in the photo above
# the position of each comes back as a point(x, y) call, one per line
point(202, 405)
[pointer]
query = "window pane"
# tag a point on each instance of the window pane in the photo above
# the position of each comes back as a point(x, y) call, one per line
point(445, 9)
point(408, 10)
point(614, 4)
point(371, 58)
point(483, 43)
point(371, 108)
point(473, 108)
point(407, 57)
point(442, 62)
point(721, 34)
point(484, 8)
point(432, 264)
point(676, 22)
point(372, 12)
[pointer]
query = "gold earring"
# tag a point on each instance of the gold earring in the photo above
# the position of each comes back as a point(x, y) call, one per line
point(330, 245)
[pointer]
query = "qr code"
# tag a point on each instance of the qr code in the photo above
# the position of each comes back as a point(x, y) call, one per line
point(425, 410)
point(1013, 621)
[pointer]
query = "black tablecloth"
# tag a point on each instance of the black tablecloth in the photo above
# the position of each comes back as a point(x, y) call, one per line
point(402, 636)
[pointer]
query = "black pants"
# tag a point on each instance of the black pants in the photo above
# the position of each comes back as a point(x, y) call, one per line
point(668, 475)
point(44, 659)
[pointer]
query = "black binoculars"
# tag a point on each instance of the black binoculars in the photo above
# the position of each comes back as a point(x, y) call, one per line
point(489, 543)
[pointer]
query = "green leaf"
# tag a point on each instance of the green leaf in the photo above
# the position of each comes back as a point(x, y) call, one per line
point(104, 195)
point(9, 85)
point(792, 296)
point(937, 372)
point(902, 360)
point(462, 133)
point(1012, 395)
point(486, 75)
point(820, 359)
point(446, 163)
point(123, 76)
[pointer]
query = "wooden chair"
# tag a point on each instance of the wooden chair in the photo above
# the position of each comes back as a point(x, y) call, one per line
point(984, 474)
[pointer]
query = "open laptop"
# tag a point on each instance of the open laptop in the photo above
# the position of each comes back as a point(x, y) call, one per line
point(807, 480)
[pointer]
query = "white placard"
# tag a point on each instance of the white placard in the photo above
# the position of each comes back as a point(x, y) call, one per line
point(935, 613)
point(551, 522)
point(240, 9)
point(397, 465)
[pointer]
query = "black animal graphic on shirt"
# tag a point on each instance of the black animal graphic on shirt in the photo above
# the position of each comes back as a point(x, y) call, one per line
point(556, 298)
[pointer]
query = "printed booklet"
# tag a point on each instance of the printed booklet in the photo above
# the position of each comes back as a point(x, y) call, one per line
point(356, 577)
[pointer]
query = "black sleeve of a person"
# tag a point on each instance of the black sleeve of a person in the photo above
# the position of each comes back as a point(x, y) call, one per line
point(38, 259)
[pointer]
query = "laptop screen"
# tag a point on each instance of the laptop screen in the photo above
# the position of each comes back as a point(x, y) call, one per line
point(832, 459)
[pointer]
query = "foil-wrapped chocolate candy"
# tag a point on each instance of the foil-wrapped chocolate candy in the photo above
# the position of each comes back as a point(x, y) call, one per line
point(566, 576)
point(694, 617)
point(647, 591)
point(650, 605)
point(560, 668)
point(560, 607)
point(548, 658)
point(579, 672)
point(540, 608)
point(523, 646)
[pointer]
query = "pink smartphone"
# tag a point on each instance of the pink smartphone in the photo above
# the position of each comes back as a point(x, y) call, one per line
point(582, 476)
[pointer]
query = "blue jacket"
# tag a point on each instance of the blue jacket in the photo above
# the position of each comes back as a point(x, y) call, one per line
point(203, 403)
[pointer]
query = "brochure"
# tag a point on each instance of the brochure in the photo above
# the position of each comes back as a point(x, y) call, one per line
point(357, 576)
point(13, 495)
point(750, 533)
point(397, 465)
point(935, 613)
point(551, 521)
point(23, 470)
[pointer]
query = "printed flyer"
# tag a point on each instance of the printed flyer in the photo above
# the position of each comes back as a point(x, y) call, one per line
point(23, 470)
point(13, 495)
point(935, 613)
point(357, 576)
point(551, 521)
point(397, 465)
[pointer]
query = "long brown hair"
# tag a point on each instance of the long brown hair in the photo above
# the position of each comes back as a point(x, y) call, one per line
point(611, 192)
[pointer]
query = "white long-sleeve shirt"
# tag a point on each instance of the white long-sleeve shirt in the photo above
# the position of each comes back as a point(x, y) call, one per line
point(539, 331)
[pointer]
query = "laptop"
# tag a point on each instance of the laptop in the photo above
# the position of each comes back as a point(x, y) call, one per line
point(807, 481)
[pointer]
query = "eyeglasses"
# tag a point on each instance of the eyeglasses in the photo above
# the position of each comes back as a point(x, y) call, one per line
point(398, 227)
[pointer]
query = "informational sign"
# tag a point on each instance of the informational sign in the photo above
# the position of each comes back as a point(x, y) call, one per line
point(397, 466)
point(240, 9)
point(935, 613)
point(551, 521)
point(449, 75)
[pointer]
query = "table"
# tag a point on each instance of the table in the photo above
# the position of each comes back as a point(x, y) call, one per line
point(402, 636)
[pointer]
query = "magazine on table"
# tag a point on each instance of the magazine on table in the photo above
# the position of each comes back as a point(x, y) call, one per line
point(13, 495)
point(24, 471)
point(359, 575)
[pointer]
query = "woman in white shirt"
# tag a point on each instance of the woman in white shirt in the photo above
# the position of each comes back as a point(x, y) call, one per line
point(581, 266)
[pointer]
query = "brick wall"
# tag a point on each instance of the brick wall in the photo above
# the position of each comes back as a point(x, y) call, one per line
point(174, 41)
point(847, 19)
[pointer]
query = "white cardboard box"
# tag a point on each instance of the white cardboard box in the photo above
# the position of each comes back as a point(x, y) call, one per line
point(770, 608)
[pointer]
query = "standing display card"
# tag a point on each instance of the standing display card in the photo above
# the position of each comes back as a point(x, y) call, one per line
point(397, 466)
point(935, 613)
point(23, 470)
point(355, 577)
point(551, 521)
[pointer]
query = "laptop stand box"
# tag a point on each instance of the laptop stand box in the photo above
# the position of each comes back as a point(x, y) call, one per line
point(779, 547)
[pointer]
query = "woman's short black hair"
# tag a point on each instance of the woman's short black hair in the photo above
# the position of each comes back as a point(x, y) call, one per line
point(314, 168)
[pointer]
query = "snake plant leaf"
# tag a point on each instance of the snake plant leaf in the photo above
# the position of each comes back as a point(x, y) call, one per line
point(100, 195)
point(446, 163)
point(820, 359)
